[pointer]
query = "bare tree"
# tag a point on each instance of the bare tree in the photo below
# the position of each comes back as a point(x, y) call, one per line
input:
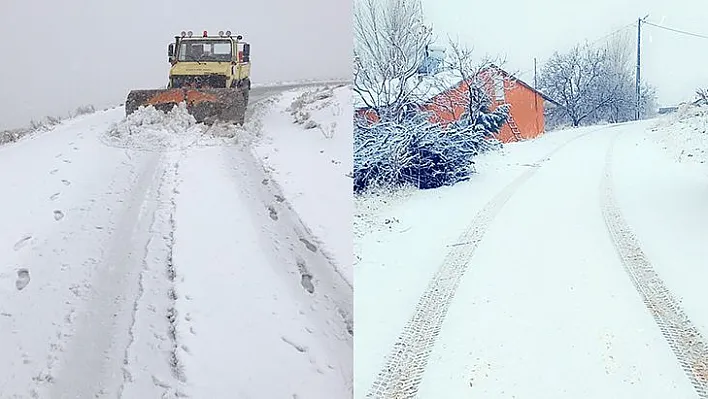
point(619, 80)
point(702, 95)
point(596, 84)
point(575, 80)
point(390, 41)
point(461, 68)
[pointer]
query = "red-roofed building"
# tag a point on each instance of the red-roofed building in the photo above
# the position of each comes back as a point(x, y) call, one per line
point(527, 104)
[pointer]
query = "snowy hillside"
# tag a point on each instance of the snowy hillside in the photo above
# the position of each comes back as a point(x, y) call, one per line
point(684, 134)
point(161, 258)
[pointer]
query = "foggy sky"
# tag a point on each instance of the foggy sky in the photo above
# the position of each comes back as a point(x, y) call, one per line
point(58, 55)
point(523, 29)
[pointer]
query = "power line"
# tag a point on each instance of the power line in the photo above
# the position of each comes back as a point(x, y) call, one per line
point(677, 30)
point(591, 43)
point(612, 33)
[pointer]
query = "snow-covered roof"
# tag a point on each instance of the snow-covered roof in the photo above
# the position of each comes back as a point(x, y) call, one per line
point(432, 85)
point(427, 86)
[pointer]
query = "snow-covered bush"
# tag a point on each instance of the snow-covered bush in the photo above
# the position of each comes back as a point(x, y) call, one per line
point(12, 135)
point(84, 110)
point(421, 153)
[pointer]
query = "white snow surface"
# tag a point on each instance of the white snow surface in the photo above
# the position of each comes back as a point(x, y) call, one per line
point(307, 147)
point(545, 308)
point(684, 134)
point(146, 258)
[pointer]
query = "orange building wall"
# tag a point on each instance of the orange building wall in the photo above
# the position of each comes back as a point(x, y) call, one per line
point(526, 110)
point(448, 106)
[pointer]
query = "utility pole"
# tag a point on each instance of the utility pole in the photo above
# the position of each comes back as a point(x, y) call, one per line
point(639, 63)
point(535, 87)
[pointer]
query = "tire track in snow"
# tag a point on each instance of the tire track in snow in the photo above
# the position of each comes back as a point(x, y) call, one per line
point(684, 338)
point(403, 369)
point(155, 300)
point(92, 363)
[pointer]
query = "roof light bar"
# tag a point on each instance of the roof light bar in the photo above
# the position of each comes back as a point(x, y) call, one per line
point(221, 33)
point(189, 34)
point(183, 34)
point(228, 33)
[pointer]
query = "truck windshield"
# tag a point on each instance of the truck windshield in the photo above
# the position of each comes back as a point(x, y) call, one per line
point(204, 50)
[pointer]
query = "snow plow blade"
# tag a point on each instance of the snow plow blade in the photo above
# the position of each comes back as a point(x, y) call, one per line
point(205, 105)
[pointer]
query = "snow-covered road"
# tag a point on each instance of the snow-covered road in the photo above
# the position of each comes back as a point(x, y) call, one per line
point(175, 271)
point(570, 267)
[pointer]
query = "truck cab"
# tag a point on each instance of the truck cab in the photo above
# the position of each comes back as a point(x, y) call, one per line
point(205, 61)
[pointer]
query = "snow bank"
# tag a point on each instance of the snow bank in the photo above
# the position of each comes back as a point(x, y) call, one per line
point(149, 129)
point(307, 148)
point(684, 134)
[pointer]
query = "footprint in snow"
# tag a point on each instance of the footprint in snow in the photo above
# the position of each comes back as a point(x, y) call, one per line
point(54, 196)
point(306, 282)
point(23, 241)
point(272, 212)
point(23, 279)
point(58, 215)
point(53, 171)
point(299, 348)
point(312, 247)
point(306, 277)
point(66, 182)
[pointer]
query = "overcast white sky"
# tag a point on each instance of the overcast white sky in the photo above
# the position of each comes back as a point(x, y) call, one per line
point(523, 29)
point(57, 55)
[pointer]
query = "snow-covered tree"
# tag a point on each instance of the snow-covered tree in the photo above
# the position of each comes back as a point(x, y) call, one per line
point(390, 39)
point(574, 79)
point(404, 145)
point(595, 84)
point(702, 96)
point(470, 104)
point(416, 152)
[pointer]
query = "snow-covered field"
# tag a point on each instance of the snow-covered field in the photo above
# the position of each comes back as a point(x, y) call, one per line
point(154, 257)
point(536, 278)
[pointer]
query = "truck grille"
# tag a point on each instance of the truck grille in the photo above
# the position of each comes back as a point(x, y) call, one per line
point(212, 81)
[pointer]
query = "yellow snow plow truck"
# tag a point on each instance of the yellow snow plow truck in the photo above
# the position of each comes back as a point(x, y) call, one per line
point(210, 74)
